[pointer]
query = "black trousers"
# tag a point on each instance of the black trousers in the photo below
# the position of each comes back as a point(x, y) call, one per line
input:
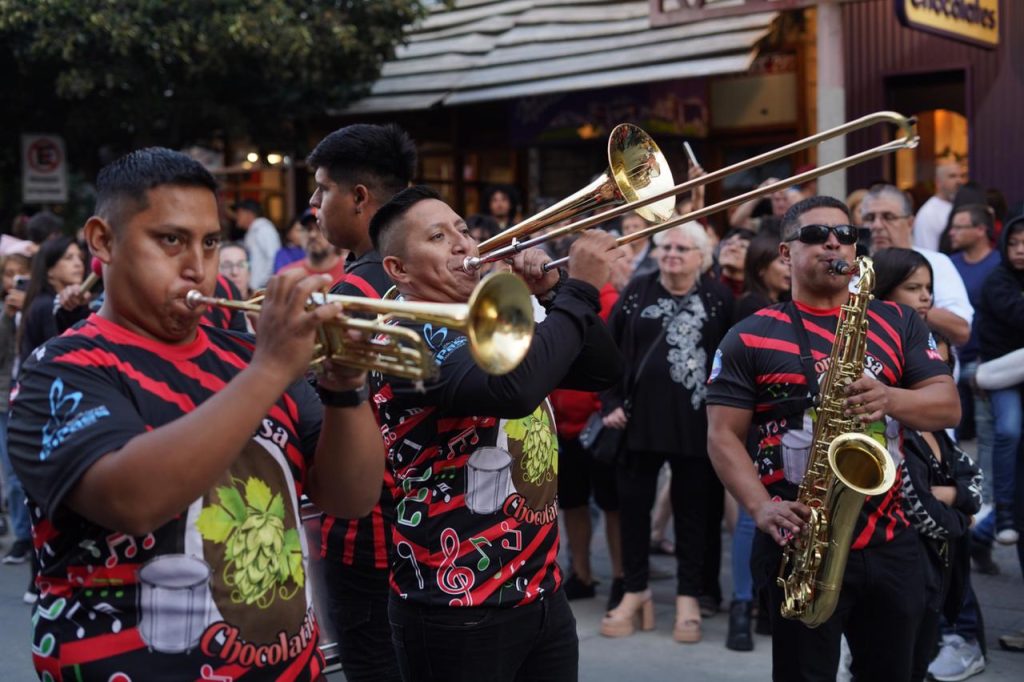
point(880, 608)
point(697, 502)
point(532, 643)
point(358, 608)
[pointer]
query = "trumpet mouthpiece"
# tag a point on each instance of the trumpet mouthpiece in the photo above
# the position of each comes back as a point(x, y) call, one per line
point(471, 263)
point(194, 299)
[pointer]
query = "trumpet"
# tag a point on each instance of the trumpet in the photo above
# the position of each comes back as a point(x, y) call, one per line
point(497, 321)
point(908, 140)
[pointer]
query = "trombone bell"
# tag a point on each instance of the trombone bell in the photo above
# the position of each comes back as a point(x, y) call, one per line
point(636, 170)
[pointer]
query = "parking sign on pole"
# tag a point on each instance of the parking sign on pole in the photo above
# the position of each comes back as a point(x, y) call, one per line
point(44, 169)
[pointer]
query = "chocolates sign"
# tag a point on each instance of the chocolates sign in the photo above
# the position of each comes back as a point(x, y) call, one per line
point(972, 21)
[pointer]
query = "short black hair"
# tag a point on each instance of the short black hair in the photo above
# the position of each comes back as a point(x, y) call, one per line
point(43, 225)
point(791, 219)
point(980, 214)
point(382, 157)
point(121, 185)
point(390, 214)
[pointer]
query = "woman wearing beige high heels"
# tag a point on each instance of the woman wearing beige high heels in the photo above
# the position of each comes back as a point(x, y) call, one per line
point(668, 324)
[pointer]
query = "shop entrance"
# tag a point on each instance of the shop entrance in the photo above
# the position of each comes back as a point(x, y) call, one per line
point(939, 102)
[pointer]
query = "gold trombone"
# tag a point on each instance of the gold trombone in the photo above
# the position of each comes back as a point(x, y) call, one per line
point(908, 140)
point(497, 321)
point(636, 171)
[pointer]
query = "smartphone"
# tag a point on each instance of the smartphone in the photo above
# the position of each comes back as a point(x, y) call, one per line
point(21, 282)
point(690, 155)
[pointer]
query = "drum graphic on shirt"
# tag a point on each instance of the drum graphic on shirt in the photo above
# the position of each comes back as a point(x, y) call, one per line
point(174, 602)
point(488, 480)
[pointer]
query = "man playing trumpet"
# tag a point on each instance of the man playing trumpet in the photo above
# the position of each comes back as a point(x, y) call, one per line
point(163, 460)
point(474, 458)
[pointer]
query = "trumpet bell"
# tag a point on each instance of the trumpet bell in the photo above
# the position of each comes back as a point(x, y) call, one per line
point(500, 325)
point(640, 170)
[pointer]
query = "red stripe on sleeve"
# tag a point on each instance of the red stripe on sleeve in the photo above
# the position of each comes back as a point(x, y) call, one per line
point(365, 287)
point(781, 378)
point(97, 357)
point(887, 328)
point(754, 341)
point(774, 314)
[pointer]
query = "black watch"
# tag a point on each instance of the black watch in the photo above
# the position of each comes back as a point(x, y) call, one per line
point(548, 296)
point(352, 398)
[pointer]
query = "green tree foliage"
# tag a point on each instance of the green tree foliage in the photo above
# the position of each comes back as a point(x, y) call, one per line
point(115, 74)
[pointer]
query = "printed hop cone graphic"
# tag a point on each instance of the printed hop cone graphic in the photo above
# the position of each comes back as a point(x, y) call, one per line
point(540, 452)
point(259, 553)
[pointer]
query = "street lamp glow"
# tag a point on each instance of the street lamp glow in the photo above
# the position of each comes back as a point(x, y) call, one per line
point(252, 157)
point(273, 159)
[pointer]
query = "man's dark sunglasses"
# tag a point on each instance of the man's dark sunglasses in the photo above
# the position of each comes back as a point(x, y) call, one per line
point(818, 234)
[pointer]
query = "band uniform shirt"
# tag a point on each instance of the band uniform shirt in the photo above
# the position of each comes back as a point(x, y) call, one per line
point(361, 546)
point(222, 587)
point(475, 481)
point(758, 368)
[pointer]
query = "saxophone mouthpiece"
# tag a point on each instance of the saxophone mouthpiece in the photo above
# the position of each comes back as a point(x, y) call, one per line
point(842, 267)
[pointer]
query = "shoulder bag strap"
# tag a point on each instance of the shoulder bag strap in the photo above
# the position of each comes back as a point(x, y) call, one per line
point(806, 357)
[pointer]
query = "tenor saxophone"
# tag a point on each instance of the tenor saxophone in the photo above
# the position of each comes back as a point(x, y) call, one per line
point(845, 465)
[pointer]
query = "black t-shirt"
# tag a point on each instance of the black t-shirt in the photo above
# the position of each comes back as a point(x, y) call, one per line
point(758, 368)
point(361, 546)
point(667, 413)
point(219, 590)
point(475, 480)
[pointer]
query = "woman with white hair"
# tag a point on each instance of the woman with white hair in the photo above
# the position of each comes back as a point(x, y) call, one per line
point(668, 324)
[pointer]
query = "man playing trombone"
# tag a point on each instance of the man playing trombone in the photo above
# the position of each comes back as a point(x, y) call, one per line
point(474, 458)
point(163, 460)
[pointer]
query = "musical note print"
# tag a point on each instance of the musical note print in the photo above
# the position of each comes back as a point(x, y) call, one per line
point(116, 539)
point(485, 561)
point(207, 674)
point(451, 578)
point(411, 556)
point(517, 534)
point(420, 495)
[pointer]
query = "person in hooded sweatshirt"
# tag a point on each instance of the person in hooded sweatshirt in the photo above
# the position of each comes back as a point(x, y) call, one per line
point(1000, 331)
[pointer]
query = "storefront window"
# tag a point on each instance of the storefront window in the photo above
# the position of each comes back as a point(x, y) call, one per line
point(943, 136)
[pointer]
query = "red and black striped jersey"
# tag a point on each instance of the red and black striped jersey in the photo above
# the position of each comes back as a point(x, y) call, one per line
point(361, 546)
point(225, 318)
point(220, 592)
point(758, 367)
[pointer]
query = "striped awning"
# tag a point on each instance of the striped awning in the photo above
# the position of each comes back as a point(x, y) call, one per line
point(482, 51)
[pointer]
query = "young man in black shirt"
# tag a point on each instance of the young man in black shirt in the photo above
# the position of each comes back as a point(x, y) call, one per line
point(359, 168)
point(475, 581)
point(163, 459)
point(758, 379)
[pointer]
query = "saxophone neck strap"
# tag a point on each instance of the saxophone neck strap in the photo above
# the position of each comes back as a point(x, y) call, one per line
point(806, 357)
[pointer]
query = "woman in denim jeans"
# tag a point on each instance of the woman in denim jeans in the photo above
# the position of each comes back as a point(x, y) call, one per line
point(1001, 330)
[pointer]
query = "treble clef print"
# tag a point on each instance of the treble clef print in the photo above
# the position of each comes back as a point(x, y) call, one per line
point(454, 579)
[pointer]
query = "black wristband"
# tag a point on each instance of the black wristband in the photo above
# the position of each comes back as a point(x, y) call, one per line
point(548, 297)
point(352, 398)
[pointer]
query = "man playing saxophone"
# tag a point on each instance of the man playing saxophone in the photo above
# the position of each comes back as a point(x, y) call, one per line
point(766, 375)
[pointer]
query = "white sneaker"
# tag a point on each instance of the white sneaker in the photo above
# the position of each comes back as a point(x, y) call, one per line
point(957, 660)
point(1007, 536)
point(30, 597)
